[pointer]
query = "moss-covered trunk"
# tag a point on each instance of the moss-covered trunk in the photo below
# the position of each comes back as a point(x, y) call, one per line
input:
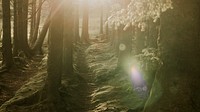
point(176, 86)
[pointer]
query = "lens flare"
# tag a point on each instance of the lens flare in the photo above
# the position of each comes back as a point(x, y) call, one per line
point(138, 82)
point(136, 77)
point(122, 47)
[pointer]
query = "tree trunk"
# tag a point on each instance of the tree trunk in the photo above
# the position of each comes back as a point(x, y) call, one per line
point(25, 45)
point(85, 32)
point(140, 40)
point(22, 26)
point(152, 34)
point(33, 18)
point(55, 55)
point(6, 43)
point(101, 19)
point(107, 28)
point(68, 41)
point(39, 42)
point(16, 35)
point(76, 23)
point(176, 86)
point(125, 47)
point(36, 30)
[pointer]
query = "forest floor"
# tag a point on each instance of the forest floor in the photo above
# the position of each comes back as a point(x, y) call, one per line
point(97, 85)
point(11, 81)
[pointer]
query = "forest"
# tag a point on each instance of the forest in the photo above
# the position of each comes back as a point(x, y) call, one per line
point(99, 56)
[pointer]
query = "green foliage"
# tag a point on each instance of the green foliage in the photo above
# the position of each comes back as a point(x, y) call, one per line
point(149, 59)
point(138, 11)
point(115, 91)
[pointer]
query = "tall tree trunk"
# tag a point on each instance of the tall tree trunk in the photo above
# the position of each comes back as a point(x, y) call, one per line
point(25, 45)
point(140, 40)
point(33, 17)
point(22, 26)
point(85, 32)
point(37, 48)
point(36, 30)
point(152, 34)
point(125, 47)
point(76, 23)
point(176, 86)
point(16, 35)
point(55, 55)
point(68, 41)
point(6, 43)
point(107, 28)
point(101, 19)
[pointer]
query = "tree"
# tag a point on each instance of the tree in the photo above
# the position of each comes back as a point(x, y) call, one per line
point(37, 24)
point(135, 14)
point(37, 47)
point(15, 31)
point(76, 22)
point(33, 17)
point(68, 40)
point(176, 84)
point(21, 28)
point(107, 25)
point(101, 18)
point(124, 46)
point(55, 56)
point(85, 32)
point(139, 40)
point(24, 21)
point(6, 43)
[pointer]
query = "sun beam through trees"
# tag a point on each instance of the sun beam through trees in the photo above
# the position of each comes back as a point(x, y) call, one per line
point(100, 56)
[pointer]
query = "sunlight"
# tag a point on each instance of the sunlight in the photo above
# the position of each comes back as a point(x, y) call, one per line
point(94, 3)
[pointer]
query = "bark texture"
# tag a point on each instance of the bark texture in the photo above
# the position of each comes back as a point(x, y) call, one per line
point(6, 42)
point(85, 32)
point(176, 86)
point(54, 63)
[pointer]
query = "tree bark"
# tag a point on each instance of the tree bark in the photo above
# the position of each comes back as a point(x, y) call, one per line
point(85, 32)
point(22, 25)
point(36, 30)
point(176, 86)
point(33, 18)
point(6, 43)
point(125, 47)
point(76, 23)
point(55, 55)
point(152, 34)
point(39, 42)
point(68, 41)
point(101, 19)
point(140, 40)
point(16, 35)
point(107, 28)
